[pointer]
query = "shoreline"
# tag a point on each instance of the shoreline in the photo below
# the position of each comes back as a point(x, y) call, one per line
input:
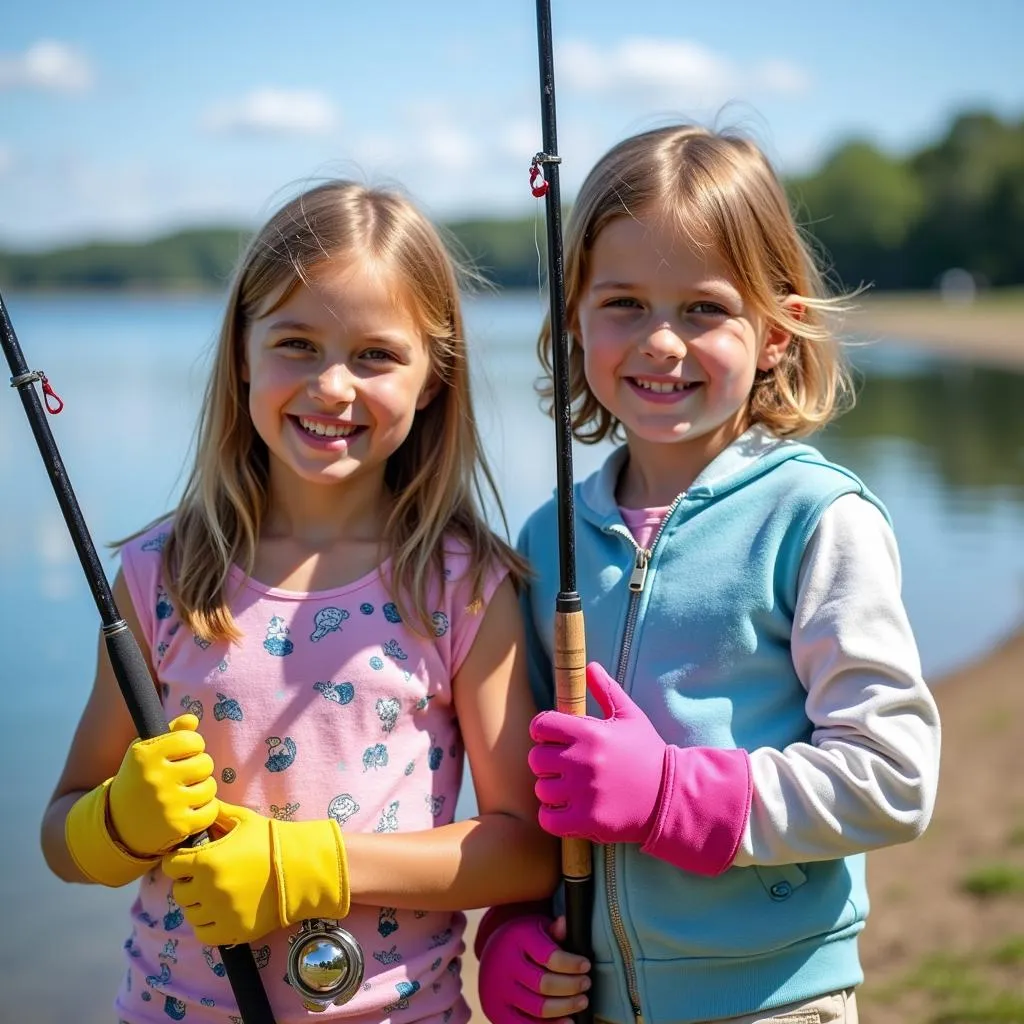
point(989, 331)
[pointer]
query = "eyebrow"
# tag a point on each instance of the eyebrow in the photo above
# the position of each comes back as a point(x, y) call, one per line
point(715, 287)
point(291, 325)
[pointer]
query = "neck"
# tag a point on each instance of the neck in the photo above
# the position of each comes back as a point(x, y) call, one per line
point(325, 515)
point(657, 473)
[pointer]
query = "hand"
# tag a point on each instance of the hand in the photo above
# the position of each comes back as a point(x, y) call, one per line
point(164, 791)
point(525, 975)
point(598, 779)
point(615, 780)
point(261, 874)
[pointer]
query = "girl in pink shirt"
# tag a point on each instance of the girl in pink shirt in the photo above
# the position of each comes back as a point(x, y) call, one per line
point(334, 626)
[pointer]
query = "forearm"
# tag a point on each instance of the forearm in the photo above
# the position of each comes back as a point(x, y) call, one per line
point(54, 843)
point(480, 862)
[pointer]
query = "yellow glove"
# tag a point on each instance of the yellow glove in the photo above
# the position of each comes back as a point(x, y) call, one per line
point(163, 792)
point(263, 874)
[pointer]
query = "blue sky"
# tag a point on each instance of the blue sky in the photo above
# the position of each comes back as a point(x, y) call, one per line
point(124, 120)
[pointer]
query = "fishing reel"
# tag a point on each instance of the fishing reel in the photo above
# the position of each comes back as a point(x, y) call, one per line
point(325, 964)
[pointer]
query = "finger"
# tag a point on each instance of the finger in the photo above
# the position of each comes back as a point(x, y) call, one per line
point(553, 727)
point(610, 697)
point(553, 821)
point(191, 771)
point(546, 759)
point(563, 1008)
point(184, 723)
point(559, 931)
point(563, 985)
point(563, 963)
point(551, 792)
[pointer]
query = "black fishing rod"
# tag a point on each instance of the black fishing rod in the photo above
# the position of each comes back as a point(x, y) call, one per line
point(126, 658)
point(570, 653)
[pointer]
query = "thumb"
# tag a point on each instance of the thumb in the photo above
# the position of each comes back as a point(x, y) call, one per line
point(182, 723)
point(611, 698)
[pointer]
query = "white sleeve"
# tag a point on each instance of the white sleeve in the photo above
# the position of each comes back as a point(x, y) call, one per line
point(868, 776)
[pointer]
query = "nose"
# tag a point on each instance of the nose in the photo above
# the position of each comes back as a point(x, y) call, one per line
point(663, 341)
point(334, 385)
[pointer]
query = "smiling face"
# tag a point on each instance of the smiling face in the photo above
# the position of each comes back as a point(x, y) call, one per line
point(336, 374)
point(670, 345)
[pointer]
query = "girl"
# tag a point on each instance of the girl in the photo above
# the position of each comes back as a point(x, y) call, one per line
point(335, 626)
point(763, 720)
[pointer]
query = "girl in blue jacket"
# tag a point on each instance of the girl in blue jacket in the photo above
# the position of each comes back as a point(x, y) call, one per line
point(759, 716)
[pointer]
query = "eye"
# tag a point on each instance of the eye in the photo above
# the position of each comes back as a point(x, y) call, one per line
point(622, 302)
point(296, 344)
point(709, 309)
point(379, 355)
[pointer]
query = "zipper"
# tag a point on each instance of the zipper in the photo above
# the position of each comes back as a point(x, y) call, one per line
point(637, 580)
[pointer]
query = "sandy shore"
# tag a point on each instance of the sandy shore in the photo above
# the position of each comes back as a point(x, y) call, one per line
point(989, 331)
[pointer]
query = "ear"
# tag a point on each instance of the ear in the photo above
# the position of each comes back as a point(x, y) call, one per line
point(777, 338)
point(429, 391)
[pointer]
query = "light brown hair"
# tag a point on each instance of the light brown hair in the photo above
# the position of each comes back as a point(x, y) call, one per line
point(720, 191)
point(438, 478)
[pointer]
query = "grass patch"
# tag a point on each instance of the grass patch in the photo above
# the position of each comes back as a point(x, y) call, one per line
point(1010, 953)
point(994, 880)
point(965, 989)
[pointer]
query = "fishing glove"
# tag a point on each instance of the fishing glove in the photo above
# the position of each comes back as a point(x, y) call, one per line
point(615, 780)
point(514, 970)
point(163, 793)
point(260, 875)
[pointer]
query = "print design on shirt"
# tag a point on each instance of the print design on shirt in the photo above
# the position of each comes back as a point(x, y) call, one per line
point(388, 819)
point(342, 807)
point(227, 707)
point(192, 706)
point(440, 621)
point(339, 693)
point(282, 753)
point(164, 608)
point(327, 620)
point(387, 711)
point(277, 642)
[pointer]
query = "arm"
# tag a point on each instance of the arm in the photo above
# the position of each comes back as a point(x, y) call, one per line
point(868, 777)
point(131, 806)
point(501, 855)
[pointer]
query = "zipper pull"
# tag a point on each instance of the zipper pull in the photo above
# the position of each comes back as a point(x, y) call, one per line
point(639, 573)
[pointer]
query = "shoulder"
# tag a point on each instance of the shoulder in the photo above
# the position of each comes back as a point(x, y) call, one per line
point(146, 546)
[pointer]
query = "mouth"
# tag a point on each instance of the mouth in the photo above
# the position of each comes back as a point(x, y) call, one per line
point(326, 431)
point(662, 389)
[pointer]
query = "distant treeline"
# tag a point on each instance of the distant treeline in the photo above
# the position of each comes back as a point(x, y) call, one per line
point(898, 222)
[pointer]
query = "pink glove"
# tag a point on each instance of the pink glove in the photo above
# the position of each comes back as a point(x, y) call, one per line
point(615, 780)
point(525, 976)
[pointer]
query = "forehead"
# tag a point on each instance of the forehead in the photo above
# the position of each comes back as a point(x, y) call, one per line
point(655, 244)
point(349, 289)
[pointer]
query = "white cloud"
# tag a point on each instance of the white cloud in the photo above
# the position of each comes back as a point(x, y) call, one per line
point(48, 65)
point(674, 72)
point(273, 112)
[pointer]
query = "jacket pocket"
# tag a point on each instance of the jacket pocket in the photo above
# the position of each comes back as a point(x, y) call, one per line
point(781, 881)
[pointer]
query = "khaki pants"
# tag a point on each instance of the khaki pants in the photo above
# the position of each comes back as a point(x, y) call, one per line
point(837, 1008)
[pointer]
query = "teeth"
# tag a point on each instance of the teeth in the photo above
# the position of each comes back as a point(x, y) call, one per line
point(324, 429)
point(661, 387)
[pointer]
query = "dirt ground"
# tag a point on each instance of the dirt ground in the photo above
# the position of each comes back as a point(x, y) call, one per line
point(990, 330)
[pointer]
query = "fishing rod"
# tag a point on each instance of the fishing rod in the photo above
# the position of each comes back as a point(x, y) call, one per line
point(126, 657)
point(570, 648)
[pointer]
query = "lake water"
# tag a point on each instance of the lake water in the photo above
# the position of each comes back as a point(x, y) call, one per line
point(942, 443)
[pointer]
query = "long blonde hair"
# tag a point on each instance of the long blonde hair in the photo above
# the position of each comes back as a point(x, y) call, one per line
point(438, 478)
point(720, 191)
